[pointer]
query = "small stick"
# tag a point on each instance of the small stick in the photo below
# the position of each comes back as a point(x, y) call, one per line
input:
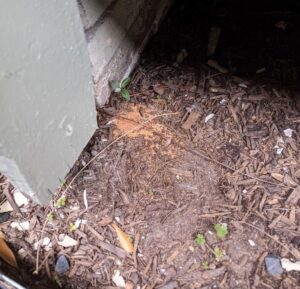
point(135, 247)
point(7, 192)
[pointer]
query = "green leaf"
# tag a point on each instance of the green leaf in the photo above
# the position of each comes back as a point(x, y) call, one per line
point(200, 239)
point(72, 227)
point(115, 85)
point(61, 202)
point(218, 253)
point(125, 94)
point(205, 265)
point(221, 230)
point(125, 82)
point(50, 217)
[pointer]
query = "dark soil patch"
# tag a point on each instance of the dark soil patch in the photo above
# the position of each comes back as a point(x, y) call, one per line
point(193, 148)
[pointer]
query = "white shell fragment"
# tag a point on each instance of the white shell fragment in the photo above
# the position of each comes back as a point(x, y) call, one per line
point(252, 243)
point(85, 201)
point(288, 132)
point(278, 149)
point(19, 199)
point(209, 117)
point(6, 207)
point(66, 241)
point(118, 279)
point(21, 226)
point(45, 243)
point(289, 265)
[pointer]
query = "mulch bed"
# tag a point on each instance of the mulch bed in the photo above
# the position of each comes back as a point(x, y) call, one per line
point(192, 148)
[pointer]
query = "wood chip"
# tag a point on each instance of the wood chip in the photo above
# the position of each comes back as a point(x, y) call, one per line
point(113, 249)
point(105, 221)
point(191, 120)
point(201, 276)
point(94, 232)
point(277, 177)
point(289, 181)
point(294, 197)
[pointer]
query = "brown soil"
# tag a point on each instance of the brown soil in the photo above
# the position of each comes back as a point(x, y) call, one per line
point(164, 174)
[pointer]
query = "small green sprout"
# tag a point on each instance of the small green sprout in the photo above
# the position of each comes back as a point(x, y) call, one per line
point(58, 281)
point(61, 202)
point(221, 230)
point(50, 217)
point(205, 265)
point(200, 239)
point(218, 253)
point(62, 183)
point(72, 227)
point(121, 87)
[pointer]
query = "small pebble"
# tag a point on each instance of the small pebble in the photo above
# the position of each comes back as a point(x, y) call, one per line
point(62, 265)
point(4, 217)
point(273, 265)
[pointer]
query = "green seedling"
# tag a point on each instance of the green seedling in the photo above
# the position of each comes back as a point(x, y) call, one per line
point(218, 253)
point(221, 230)
point(205, 265)
point(61, 202)
point(62, 183)
point(121, 87)
point(72, 227)
point(50, 217)
point(58, 281)
point(200, 239)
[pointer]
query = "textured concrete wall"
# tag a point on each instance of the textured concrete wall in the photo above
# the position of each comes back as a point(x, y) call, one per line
point(47, 102)
point(116, 32)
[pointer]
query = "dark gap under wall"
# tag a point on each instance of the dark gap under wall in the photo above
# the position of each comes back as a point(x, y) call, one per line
point(258, 40)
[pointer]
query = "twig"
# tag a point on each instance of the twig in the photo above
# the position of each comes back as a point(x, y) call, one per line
point(83, 168)
point(270, 236)
point(10, 199)
point(135, 247)
point(37, 266)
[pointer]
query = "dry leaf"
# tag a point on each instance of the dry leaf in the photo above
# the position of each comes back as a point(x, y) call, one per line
point(277, 177)
point(6, 254)
point(125, 242)
point(21, 226)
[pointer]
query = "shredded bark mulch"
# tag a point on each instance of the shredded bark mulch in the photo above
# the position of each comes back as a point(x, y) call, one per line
point(194, 147)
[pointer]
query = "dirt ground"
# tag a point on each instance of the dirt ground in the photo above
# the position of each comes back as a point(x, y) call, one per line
point(194, 147)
